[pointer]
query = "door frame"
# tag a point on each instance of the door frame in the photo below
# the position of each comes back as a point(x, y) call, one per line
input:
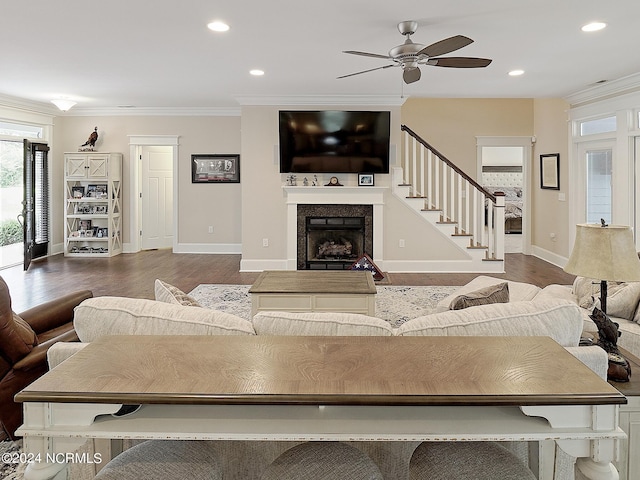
point(526, 142)
point(136, 142)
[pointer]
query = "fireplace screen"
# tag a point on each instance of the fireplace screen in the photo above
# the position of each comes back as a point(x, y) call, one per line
point(333, 242)
point(333, 236)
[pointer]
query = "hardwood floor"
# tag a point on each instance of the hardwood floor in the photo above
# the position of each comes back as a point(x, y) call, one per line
point(133, 275)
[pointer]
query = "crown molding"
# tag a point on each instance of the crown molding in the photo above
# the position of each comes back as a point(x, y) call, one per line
point(614, 88)
point(30, 106)
point(79, 111)
point(293, 100)
point(154, 111)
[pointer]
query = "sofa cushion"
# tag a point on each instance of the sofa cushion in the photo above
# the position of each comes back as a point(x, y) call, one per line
point(518, 291)
point(319, 323)
point(484, 296)
point(558, 319)
point(170, 294)
point(101, 316)
point(622, 297)
point(17, 338)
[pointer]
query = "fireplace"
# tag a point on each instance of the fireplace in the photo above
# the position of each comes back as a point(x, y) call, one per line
point(332, 237)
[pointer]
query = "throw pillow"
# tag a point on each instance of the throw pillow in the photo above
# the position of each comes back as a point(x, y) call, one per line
point(17, 338)
point(484, 296)
point(622, 297)
point(169, 294)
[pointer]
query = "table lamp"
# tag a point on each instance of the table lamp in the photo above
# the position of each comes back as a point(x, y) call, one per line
point(606, 253)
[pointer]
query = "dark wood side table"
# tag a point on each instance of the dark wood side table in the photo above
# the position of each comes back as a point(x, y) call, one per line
point(629, 464)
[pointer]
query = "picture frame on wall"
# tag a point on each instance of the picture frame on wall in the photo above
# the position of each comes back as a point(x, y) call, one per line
point(366, 180)
point(550, 171)
point(215, 168)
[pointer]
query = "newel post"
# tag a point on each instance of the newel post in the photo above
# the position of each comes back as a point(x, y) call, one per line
point(499, 226)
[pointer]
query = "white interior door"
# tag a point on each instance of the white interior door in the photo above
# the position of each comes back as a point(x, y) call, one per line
point(157, 197)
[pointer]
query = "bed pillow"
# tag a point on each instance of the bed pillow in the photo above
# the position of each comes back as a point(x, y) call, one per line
point(484, 296)
point(169, 294)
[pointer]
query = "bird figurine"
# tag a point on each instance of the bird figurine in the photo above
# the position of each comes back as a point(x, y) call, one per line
point(619, 368)
point(91, 142)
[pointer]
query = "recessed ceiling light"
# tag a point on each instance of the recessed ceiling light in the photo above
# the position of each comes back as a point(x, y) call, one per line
point(256, 72)
point(218, 26)
point(593, 26)
point(515, 73)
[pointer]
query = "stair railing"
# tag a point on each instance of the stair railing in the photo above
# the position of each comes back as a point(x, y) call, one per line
point(476, 212)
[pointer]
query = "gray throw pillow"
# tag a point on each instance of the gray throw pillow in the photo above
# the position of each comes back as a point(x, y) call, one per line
point(484, 296)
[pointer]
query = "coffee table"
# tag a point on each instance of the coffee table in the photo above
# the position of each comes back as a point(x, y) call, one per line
point(314, 291)
point(324, 388)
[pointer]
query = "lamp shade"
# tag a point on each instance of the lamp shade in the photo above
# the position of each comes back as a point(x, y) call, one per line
point(604, 253)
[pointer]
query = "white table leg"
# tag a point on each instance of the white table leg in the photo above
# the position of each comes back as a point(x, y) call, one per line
point(593, 470)
point(49, 454)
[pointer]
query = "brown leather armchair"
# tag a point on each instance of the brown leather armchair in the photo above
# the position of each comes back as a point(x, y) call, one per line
point(24, 342)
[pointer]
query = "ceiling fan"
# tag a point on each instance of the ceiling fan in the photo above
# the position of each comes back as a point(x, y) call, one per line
point(410, 55)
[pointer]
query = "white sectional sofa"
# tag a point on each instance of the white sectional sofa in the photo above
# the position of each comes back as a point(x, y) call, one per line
point(523, 315)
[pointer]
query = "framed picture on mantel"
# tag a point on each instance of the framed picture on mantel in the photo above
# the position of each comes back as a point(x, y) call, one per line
point(366, 180)
point(214, 168)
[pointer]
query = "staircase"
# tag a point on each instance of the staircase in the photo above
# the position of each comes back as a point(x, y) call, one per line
point(456, 205)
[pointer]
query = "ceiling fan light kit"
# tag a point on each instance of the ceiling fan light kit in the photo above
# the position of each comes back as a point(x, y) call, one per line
point(410, 55)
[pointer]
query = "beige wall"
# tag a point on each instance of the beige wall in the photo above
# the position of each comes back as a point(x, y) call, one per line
point(199, 205)
point(550, 215)
point(451, 125)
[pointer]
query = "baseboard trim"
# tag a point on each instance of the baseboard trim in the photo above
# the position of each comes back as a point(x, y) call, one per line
point(214, 248)
point(257, 265)
point(550, 257)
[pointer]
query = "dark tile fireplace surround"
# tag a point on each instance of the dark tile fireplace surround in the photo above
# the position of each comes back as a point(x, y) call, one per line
point(332, 237)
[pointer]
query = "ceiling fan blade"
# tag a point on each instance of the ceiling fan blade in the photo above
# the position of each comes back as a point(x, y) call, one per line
point(411, 75)
point(459, 62)
point(365, 54)
point(445, 46)
point(367, 71)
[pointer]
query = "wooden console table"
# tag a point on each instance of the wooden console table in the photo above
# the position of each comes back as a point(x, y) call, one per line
point(324, 388)
point(314, 291)
point(629, 462)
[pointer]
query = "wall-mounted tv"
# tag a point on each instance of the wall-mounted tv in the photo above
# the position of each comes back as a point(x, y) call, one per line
point(332, 141)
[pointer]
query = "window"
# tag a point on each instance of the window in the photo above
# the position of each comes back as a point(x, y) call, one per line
point(599, 168)
point(600, 125)
point(20, 130)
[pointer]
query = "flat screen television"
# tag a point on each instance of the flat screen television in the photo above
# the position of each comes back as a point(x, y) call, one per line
point(332, 141)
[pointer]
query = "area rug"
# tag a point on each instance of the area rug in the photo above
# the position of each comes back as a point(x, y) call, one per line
point(395, 304)
point(11, 468)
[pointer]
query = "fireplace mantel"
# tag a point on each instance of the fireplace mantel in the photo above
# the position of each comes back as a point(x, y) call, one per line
point(334, 195)
point(337, 195)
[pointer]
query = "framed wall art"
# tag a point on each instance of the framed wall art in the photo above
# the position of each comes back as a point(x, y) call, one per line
point(550, 171)
point(214, 168)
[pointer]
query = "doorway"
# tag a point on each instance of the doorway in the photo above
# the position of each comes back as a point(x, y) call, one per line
point(11, 197)
point(504, 165)
point(156, 177)
point(153, 187)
